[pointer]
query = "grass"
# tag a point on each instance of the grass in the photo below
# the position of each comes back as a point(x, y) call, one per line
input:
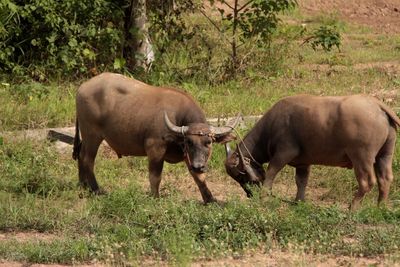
point(35, 105)
point(39, 193)
point(245, 96)
point(128, 226)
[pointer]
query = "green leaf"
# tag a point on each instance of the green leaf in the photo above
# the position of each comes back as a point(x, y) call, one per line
point(52, 38)
point(13, 7)
point(119, 63)
point(72, 42)
point(89, 53)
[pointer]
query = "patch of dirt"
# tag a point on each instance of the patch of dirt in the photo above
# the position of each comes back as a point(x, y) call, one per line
point(254, 258)
point(224, 188)
point(27, 236)
point(20, 264)
point(287, 258)
point(381, 15)
point(284, 258)
point(388, 67)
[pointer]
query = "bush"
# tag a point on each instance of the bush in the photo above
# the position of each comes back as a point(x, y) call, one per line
point(38, 37)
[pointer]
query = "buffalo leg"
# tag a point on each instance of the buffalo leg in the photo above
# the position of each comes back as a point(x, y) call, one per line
point(200, 180)
point(383, 167)
point(155, 170)
point(384, 174)
point(364, 171)
point(277, 162)
point(155, 151)
point(302, 174)
point(86, 164)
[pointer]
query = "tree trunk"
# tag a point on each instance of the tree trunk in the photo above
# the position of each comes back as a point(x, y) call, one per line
point(235, 63)
point(137, 51)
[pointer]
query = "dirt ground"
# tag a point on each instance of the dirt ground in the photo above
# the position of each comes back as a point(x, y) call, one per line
point(381, 15)
point(253, 258)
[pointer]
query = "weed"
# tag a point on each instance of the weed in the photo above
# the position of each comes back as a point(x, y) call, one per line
point(35, 105)
point(26, 168)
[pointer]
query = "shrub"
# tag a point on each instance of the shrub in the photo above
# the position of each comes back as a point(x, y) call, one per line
point(41, 36)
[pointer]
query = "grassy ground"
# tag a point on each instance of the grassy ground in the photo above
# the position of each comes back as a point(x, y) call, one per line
point(45, 218)
point(128, 226)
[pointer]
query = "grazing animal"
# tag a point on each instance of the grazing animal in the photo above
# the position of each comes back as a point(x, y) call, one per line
point(137, 119)
point(345, 131)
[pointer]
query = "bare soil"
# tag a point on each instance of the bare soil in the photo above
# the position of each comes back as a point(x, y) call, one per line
point(20, 264)
point(381, 15)
point(28, 236)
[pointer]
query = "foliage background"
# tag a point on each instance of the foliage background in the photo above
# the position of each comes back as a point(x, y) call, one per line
point(43, 39)
point(40, 37)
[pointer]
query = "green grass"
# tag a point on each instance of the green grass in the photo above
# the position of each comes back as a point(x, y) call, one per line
point(128, 226)
point(35, 105)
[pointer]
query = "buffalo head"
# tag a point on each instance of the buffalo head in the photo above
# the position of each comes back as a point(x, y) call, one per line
point(243, 169)
point(198, 139)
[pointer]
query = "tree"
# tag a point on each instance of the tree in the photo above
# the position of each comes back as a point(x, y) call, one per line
point(40, 38)
point(137, 50)
point(254, 20)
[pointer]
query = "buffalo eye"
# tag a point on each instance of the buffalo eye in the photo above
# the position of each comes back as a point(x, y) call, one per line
point(208, 143)
point(189, 142)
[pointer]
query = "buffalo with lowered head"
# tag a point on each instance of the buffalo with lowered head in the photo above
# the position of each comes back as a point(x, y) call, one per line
point(137, 119)
point(345, 131)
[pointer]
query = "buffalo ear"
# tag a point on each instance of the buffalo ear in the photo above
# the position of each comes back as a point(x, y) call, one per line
point(225, 138)
point(173, 138)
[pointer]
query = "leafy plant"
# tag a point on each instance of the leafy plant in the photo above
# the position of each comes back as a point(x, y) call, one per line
point(255, 21)
point(168, 24)
point(325, 37)
point(78, 35)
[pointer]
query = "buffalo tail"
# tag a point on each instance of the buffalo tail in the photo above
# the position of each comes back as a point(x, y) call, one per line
point(394, 119)
point(77, 142)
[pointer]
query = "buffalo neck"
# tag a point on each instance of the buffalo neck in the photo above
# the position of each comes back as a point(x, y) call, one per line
point(253, 146)
point(191, 114)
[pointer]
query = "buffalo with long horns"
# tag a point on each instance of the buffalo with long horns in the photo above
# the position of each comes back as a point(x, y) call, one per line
point(137, 119)
point(345, 131)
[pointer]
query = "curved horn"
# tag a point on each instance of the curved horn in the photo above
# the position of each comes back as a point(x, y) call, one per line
point(172, 127)
point(228, 150)
point(248, 168)
point(223, 130)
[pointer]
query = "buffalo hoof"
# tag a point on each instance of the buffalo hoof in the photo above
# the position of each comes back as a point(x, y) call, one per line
point(265, 193)
point(211, 200)
point(89, 193)
point(98, 192)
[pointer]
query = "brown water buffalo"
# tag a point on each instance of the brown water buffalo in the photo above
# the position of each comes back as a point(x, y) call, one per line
point(137, 119)
point(346, 131)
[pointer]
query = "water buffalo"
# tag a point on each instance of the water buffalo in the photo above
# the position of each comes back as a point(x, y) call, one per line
point(346, 131)
point(137, 119)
